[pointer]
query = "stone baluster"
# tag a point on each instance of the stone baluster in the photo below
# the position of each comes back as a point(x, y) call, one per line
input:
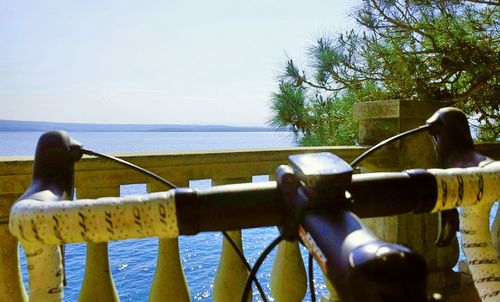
point(169, 282)
point(98, 282)
point(288, 277)
point(231, 272)
point(11, 284)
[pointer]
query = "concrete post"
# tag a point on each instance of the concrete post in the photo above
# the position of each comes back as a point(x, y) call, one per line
point(98, 282)
point(377, 121)
point(169, 282)
point(11, 285)
point(288, 277)
point(231, 273)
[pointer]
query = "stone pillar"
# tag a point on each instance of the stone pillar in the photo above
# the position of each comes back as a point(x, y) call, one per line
point(169, 282)
point(11, 284)
point(98, 284)
point(288, 276)
point(231, 273)
point(379, 120)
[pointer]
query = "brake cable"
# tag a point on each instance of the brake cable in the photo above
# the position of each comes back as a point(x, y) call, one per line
point(171, 185)
point(256, 266)
point(386, 141)
point(132, 166)
point(247, 265)
point(310, 271)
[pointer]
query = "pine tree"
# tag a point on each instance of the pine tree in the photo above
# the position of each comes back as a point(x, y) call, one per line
point(432, 50)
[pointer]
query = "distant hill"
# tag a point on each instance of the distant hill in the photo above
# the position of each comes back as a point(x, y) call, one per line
point(32, 126)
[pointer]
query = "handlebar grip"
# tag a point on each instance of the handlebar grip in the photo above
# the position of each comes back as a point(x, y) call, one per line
point(476, 193)
point(463, 187)
point(56, 222)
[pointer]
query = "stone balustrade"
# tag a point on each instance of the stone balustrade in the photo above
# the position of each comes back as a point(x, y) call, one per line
point(97, 177)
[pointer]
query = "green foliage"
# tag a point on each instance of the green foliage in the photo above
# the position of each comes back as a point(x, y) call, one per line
point(289, 107)
point(314, 119)
point(433, 50)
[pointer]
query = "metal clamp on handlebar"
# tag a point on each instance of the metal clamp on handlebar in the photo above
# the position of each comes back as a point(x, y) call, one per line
point(312, 182)
point(323, 175)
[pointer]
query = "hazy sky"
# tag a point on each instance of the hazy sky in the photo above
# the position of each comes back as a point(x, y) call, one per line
point(176, 62)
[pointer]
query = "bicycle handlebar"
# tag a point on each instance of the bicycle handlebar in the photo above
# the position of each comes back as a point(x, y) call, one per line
point(40, 220)
point(229, 207)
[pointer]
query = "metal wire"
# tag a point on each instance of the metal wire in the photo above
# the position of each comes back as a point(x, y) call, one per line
point(132, 166)
point(310, 267)
point(256, 266)
point(244, 260)
point(356, 161)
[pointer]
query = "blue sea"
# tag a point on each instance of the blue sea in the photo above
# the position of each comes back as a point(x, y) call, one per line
point(132, 262)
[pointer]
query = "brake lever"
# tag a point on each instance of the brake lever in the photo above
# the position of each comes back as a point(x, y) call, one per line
point(455, 148)
point(53, 170)
point(448, 226)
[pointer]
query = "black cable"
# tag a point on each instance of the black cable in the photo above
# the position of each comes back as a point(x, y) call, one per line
point(312, 293)
point(244, 260)
point(356, 161)
point(132, 166)
point(171, 185)
point(256, 266)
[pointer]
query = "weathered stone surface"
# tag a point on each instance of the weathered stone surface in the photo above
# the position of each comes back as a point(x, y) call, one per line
point(416, 231)
point(382, 119)
point(11, 285)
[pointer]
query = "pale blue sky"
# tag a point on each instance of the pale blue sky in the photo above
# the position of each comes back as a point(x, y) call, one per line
point(175, 62)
